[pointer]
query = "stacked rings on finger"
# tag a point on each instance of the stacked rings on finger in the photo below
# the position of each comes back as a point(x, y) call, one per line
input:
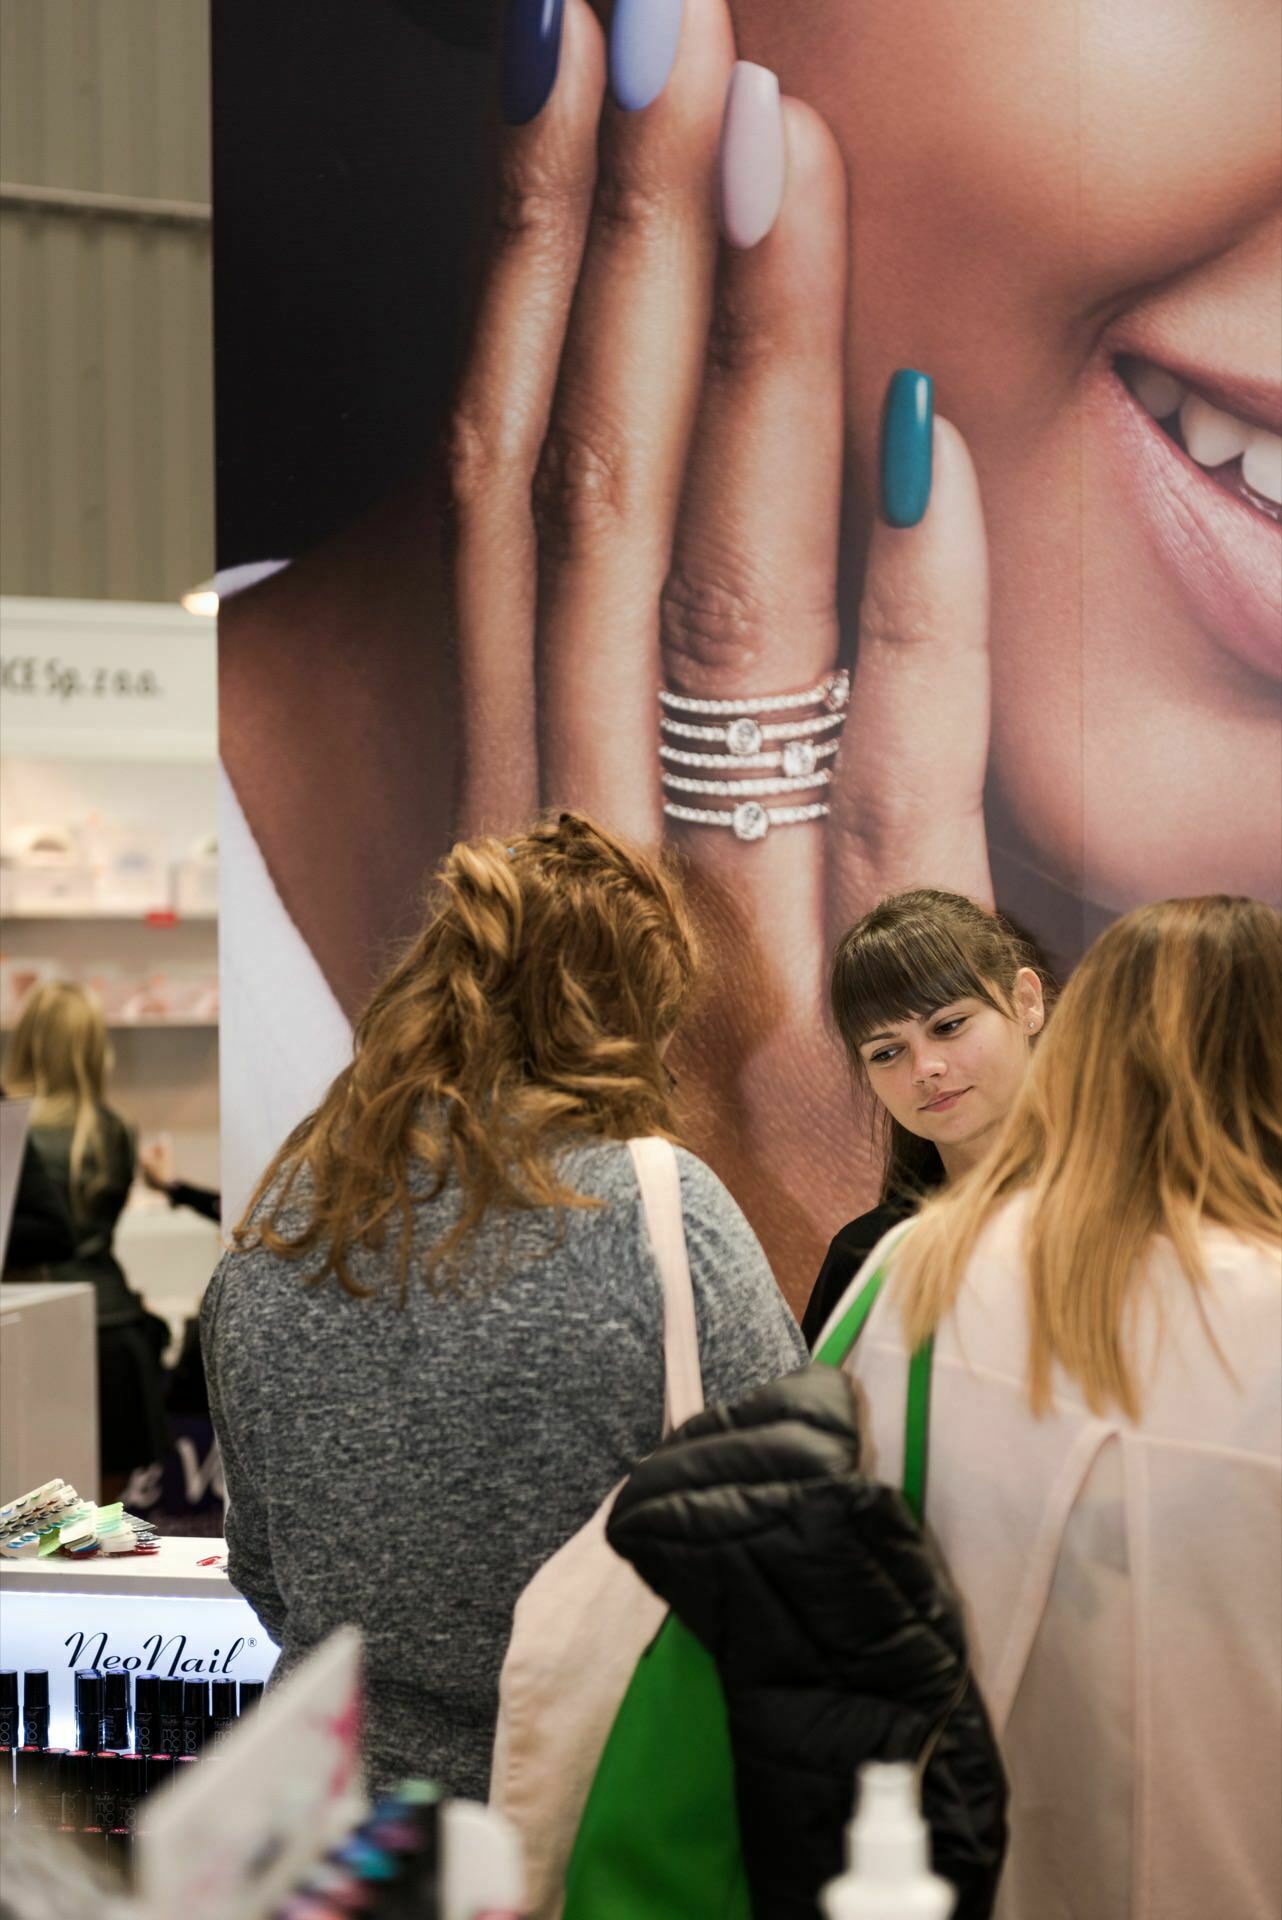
point(771, 732)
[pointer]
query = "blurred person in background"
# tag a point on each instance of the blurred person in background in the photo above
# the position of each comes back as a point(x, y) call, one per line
point(40, 1231)
point(59, 1059)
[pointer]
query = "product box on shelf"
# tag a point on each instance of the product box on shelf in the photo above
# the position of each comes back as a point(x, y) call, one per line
point(196, 879)
point(43, 869)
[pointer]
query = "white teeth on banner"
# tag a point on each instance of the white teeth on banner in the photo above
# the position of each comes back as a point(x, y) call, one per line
point(1262, 466)
point(1158, 392)
point(1213, 437)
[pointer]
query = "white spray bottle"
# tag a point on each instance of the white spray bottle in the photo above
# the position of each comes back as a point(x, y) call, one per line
point(888, 1855)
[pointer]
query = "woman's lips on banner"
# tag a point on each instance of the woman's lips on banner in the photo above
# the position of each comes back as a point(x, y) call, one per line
point(1206, 452)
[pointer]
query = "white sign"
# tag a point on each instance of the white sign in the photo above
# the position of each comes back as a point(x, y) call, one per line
point(127, 1632)
point(107, 679)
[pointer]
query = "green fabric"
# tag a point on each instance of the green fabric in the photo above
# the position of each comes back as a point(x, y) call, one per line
point(659, 1837)
point(917, 1429)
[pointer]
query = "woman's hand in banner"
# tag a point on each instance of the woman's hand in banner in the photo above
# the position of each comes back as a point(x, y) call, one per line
point(647, 490)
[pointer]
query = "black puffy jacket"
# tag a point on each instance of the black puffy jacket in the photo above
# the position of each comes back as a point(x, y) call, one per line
point(836, 1632)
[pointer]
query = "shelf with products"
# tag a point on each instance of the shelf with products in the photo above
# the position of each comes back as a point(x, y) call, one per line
point(161, 919)
point(164, 1023)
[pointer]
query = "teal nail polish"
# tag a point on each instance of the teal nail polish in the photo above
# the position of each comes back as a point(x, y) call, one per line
point(906, 424)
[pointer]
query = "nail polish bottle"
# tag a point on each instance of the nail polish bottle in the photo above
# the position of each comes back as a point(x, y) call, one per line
point(6, 1782)
point(120, 1851)
point(195, 1715)
point(129, 1787)
point(171, 1716)
point(74, 1783)
point(29, 1785)
point(105, 1786)
point(35, 1708)
point(9, 1708)
point(92, 1843)
point(157, 1769)
point(251, 1692)
point(88, 1685)
point(49, 1790)
point(147, 1713)
point(115, 1711)
point(222, 1705)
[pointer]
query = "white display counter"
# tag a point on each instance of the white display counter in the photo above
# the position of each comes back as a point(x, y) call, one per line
point(173, 1613)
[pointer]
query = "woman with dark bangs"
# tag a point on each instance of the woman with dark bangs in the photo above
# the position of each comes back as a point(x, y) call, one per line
point(938, 1003)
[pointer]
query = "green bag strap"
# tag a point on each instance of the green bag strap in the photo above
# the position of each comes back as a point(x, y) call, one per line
point(836, 1349)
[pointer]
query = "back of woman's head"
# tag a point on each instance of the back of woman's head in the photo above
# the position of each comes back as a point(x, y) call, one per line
point(911, 955)
point(58, 1058)
point(1167, 1049)
point(532, 1009)
point(1154, 1104)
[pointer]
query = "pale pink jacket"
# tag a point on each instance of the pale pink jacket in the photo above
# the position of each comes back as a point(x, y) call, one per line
point(1123, 1583)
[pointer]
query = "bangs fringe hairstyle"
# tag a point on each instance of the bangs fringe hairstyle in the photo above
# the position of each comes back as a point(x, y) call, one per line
point(912, 955)
point(532, 1010)
point(58, 1059)
point(1153, 1104)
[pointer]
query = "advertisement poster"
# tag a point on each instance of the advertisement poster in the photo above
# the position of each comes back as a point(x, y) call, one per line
point(538, 394)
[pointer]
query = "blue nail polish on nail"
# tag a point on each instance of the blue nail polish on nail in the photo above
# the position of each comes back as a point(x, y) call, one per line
point(906, 436)
point(531, 55)
point(643, 46)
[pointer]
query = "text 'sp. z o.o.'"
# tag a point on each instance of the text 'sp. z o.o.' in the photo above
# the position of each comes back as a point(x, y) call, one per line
point(32, 673)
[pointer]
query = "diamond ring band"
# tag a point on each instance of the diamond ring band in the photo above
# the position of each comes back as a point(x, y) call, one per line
point(750, 820)
point(832, 692)
point(797, 757)
point(739, 743)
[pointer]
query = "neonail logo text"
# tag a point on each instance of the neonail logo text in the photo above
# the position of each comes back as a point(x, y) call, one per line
point(168, 1657)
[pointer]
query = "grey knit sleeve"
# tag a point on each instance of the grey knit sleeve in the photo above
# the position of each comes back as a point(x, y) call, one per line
point(747, 1335)
point(230, 1365)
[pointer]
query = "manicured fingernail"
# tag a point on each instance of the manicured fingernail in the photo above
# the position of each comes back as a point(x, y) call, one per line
point(906, 433)
point(531, 55)
point(643, 45)
point(753, 156)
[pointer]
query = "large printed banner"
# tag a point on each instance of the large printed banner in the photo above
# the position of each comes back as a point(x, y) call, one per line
point(940, 344)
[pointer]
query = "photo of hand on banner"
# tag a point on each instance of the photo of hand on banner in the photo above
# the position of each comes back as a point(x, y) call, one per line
point(714, 568)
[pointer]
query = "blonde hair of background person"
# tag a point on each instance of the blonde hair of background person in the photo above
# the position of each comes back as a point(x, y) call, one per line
point(59, 1058)
point(1154, 1103)
point(453, 1255)
point(1105, 1295)
point(473, 1065)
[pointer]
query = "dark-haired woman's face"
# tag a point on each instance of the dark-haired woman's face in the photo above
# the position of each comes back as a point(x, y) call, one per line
point(1046, 201)
point(952, 1076)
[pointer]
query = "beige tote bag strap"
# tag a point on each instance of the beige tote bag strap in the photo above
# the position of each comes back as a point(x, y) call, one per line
point(659, 1179)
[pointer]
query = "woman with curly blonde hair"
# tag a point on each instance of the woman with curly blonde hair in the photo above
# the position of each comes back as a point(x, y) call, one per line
point(437, 1341)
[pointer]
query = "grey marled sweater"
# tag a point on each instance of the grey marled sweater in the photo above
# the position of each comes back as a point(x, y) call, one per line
point(409, 1468)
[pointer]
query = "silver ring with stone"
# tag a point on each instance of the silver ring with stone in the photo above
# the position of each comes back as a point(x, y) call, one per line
point(749, 820)
point(832, 693)
point(737, 789)
point(795, 757)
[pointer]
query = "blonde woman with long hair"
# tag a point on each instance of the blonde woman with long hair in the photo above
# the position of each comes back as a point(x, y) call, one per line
point(1104, 1292)
point(438, 1340)
point(60, 1058)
